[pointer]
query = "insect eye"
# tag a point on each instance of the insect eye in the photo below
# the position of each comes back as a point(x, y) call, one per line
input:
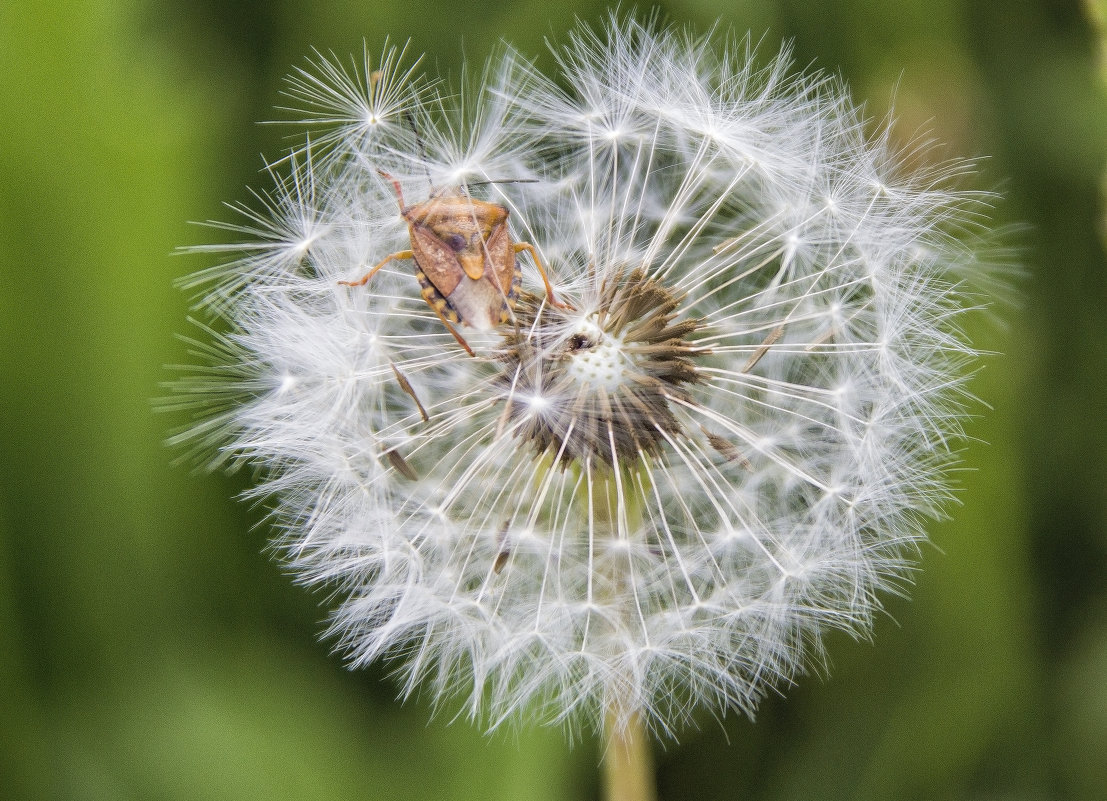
point(456, 242)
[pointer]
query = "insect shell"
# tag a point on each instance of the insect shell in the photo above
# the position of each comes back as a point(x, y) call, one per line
point(465, 258)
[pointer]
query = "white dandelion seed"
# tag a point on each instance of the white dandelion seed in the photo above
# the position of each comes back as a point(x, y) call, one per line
point(661, 496)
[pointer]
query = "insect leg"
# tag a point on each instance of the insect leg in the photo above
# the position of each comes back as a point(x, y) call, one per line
point(529, 248)
point(450, 328)
point(401, 254)
point(395, 185)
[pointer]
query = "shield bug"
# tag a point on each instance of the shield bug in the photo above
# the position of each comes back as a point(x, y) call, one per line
point(464, 259)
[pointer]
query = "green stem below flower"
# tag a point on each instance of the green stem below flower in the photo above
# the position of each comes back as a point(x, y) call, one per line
point(627, 762)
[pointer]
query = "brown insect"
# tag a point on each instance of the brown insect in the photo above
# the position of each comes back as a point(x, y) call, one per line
point(464, 259)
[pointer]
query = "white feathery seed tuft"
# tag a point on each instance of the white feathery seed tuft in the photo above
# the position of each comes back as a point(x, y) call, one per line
point(658, 495)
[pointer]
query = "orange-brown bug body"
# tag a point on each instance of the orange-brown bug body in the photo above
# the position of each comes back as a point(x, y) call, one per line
point(465, 259)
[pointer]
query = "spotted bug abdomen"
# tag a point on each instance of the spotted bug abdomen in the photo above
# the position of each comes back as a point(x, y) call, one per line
point(479, 304)
point(433, 297)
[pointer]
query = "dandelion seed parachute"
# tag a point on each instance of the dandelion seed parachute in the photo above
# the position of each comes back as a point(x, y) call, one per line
point(661, 499)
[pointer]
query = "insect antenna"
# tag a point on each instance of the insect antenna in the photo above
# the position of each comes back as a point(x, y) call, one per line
point(409, 117)
point(503, 181)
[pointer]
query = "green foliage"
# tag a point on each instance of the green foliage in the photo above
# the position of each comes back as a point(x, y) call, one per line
point(150, 648)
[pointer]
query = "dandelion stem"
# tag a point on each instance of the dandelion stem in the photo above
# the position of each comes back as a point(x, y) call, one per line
point(627, 762)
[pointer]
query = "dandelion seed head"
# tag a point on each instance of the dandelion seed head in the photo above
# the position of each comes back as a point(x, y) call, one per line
point(656, 494)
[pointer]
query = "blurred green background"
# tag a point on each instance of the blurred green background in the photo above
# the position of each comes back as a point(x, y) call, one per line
point(150, 648)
